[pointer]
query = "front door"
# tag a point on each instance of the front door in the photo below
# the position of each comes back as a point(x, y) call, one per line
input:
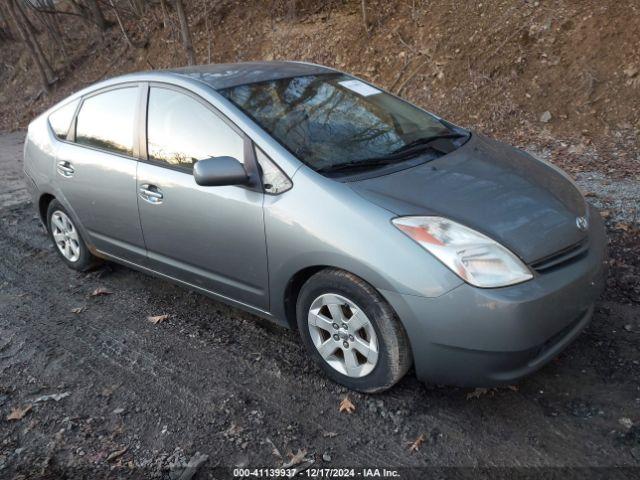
point(210, 237)
point(96, 172)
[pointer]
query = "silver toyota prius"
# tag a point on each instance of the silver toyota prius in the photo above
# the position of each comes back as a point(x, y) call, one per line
point(387, 236)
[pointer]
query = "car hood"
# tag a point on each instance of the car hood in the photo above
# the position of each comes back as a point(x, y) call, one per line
point(525, 204)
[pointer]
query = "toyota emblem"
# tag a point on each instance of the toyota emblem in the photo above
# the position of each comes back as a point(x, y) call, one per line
point(582, 223)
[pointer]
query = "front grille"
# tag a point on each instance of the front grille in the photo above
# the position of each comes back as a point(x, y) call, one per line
point(562, 258)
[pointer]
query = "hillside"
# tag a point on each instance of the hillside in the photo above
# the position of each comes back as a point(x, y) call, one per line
point(563, 75)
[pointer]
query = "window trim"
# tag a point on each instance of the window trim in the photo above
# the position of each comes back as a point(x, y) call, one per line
point(250, 161)
point(71, 135)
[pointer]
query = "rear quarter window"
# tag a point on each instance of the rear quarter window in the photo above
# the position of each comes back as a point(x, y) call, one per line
point(60, 119)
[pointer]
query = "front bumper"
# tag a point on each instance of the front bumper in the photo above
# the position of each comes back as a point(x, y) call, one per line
point(484, 337)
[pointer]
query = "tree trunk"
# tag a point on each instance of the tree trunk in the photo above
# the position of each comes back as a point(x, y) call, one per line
point(32, 35)
point(184, 30)
point(206, 23)
point(50, 21)
point(365, 21)
point(124, 32)
point(29, 43)
point(96, 14)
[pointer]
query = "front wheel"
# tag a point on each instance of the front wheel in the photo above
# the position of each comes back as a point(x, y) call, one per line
point(351, 332)
point(66, 237)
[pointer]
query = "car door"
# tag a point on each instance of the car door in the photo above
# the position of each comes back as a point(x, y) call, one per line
point(95, 170)
point(210, 237)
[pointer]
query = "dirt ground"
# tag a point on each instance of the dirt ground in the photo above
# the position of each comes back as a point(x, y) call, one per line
point(140, 399)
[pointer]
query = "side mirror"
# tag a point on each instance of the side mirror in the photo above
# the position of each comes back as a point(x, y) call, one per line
point(219, 171)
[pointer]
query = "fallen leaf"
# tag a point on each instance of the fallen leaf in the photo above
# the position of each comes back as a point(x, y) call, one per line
point(233, 429)
point(622, 226)
point(157, 319)
point(513, 388)
point(631, 71)
point(274, 449)
point(100, 291)
point(605, 213)
point(107, 391)
point(78, 310)
point(18, 413)
point(329, 434)
point(295, 459)
point(117, 454)
point(346, 405)
point(477, 393)
point(415, 445)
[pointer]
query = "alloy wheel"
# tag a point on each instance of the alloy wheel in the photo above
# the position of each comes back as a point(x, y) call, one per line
point(343, 335)
point(65, 236)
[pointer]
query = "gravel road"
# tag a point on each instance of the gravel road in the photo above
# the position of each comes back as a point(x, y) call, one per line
point(143, 398)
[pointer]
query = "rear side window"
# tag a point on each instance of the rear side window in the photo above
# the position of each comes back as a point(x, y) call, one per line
point(181, 131)
point(105, 121)
point(60, 120)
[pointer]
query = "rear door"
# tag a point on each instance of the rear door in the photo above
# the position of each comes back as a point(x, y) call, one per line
point(96, 170)
point(210, 237)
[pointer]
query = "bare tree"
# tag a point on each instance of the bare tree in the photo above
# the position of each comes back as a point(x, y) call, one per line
point(137, 6)
point(185, 32)
point(45, 11)
point(29, 39)
point(365, 21)
point(124, 32)
point(206, 24)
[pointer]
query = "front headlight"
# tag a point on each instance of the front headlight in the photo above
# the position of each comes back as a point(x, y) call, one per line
point(473, 256)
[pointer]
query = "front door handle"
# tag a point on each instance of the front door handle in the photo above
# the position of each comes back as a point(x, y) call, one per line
point(150, 193)
point(65, 169)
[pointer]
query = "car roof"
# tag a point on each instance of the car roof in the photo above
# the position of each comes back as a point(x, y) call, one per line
point(224, 75)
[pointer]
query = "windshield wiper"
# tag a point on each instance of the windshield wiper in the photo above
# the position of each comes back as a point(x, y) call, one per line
point(371, 162)
point(403, 153)
point(425, 141)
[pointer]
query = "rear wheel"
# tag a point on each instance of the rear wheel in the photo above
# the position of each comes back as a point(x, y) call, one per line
point(65, 236)
point(351, 332)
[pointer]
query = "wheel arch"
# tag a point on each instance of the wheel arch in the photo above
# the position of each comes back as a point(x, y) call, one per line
point(292, 290)
point(43, 204)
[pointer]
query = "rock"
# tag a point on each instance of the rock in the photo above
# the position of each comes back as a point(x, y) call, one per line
point(326, 457)
point(118, 411)
point(545, 117)
point(625, 422)
point(194, 464)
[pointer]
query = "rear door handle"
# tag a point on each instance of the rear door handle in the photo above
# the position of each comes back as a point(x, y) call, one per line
point(150, 193)
point(65, 169)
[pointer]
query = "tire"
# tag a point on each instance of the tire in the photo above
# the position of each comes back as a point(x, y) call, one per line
point(67, 240)
point(349, 297)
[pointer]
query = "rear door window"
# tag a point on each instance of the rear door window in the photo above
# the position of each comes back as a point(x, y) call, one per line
point(106, 120)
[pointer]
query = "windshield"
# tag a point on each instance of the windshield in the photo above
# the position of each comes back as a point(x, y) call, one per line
point(333, 121)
